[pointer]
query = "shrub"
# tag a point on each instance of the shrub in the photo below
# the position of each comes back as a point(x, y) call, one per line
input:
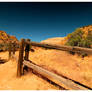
point(76, 39)
point(84, 43)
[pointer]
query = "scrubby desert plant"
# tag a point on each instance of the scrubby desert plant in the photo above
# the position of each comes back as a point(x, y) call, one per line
point(76, 39)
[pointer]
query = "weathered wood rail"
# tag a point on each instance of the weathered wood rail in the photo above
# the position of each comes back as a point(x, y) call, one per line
point(25, 45)
point(63, 47)
point(66, 83)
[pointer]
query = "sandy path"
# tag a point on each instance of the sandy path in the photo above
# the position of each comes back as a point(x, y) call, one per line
point(9, 81)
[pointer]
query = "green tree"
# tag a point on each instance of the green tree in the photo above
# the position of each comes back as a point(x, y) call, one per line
point(75, 37)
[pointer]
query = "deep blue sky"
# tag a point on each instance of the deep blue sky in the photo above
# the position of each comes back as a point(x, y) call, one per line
point(39, 21)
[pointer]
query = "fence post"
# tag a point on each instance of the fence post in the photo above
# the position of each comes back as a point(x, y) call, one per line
point(14, 45)
point(9, 50)
point(20, 61)
point(27, 49)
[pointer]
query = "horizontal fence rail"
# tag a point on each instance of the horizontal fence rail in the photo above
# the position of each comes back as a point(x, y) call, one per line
point(63, 82)
point(23, 61)
point(62, 47)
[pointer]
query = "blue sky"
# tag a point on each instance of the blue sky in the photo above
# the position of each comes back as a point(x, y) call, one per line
point(39, 21)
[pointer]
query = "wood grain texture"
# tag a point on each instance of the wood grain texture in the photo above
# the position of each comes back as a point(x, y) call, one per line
point(63, 47)
point(27, 48)
point(20, 60)
point(63, 82)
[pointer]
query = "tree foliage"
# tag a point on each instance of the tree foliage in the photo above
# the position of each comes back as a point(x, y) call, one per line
point(76, 39)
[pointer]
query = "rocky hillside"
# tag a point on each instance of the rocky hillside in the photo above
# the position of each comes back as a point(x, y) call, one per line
point(86, 28)
point(5, 39)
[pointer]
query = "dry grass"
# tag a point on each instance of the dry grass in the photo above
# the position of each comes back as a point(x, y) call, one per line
point(9, 81)
point(60, 62)
point(64, 63)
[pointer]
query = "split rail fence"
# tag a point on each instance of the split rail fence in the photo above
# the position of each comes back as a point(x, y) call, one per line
point(25, 45)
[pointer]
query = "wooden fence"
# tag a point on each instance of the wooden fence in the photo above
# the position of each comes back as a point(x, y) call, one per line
point(12, 49)
point(25, 45)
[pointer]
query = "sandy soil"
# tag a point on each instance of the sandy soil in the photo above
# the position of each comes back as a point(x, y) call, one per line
point(9, 80)
point(56, 40)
